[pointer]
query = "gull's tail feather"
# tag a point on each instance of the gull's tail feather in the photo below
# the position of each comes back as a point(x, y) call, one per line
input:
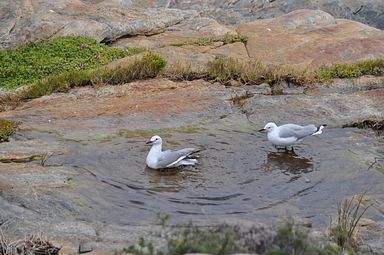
point(188, 162)
point(320, 129)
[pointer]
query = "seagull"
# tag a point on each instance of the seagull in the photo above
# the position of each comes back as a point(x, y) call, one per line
point(289, 134)
point(158, 159)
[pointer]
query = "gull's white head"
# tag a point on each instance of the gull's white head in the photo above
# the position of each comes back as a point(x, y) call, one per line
point(155, 140)
point(269, 127)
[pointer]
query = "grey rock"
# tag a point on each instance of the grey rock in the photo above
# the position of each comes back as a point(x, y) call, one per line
point(85, 247)
point(22, 22)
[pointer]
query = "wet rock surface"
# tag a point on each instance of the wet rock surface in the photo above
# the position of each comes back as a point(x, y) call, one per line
point(94, 188)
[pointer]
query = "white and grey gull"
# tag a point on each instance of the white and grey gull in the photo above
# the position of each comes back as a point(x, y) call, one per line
point(158, 159)
point(288, 134)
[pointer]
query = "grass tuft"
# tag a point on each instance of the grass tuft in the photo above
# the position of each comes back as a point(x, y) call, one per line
point(349, 213)
point(7, 128)
point(182, 71)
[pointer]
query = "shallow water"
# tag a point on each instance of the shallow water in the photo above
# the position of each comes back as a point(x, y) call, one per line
point(240, 175)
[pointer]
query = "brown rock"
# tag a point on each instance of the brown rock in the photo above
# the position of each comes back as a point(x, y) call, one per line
point(311, 37)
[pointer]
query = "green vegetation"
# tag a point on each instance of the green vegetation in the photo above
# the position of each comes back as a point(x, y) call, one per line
point(27, 64)
point(194, 240)
point(349, 214)
point(148, 66)
point(7, 128)
point(353, 70)
point(226, 39)
point(191, 239)
point(291, 239)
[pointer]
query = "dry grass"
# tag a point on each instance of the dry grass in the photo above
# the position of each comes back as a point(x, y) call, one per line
point(31, 245)
point(224, 70)
point(183, 71)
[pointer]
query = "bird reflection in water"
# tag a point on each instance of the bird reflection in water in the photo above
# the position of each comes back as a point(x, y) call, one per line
point(289, 163)
point(167, 180)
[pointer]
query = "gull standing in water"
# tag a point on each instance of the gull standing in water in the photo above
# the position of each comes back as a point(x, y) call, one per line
point(289, 134)
point(158, 159)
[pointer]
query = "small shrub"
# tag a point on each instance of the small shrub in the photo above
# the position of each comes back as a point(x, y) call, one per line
point(349, 213)
point(293, 240)
point(190, 239)
point(195, 240)
point(143, 248)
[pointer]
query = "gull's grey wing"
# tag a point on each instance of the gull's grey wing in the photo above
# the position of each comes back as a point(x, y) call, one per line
point(171, 157)
point(297, 131)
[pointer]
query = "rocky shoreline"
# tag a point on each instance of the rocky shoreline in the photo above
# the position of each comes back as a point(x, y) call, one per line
point(74, 169)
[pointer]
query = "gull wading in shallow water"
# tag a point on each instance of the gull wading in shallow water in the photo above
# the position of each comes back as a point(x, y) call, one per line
point(158, 159)
point(289, 134)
